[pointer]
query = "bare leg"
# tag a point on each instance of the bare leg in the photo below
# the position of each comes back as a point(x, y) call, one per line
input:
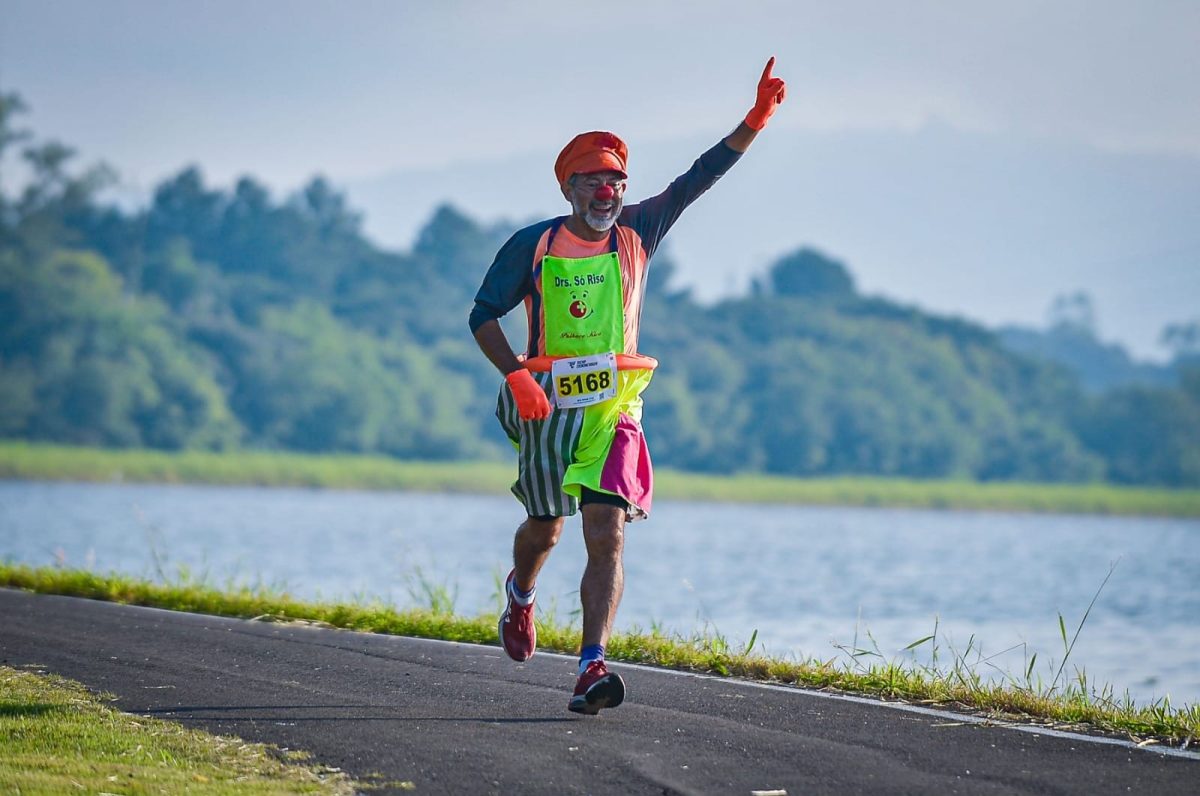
point(604, 577)
point(531, 547)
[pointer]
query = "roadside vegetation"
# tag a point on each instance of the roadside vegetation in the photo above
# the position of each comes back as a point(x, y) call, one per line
point(19, 460)
point(1067, 702)
point(224, 318)
point(57, 737)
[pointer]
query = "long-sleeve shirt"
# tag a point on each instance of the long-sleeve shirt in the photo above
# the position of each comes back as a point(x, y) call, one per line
point(641, 228)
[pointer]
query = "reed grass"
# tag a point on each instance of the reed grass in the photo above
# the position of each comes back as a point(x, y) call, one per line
point(19, 460)
point(960, 683)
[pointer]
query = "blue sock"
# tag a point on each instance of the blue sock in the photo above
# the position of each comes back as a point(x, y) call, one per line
point(592, 652)
point(521, 597)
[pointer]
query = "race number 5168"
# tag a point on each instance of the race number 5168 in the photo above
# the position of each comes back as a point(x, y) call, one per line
point(582, 383)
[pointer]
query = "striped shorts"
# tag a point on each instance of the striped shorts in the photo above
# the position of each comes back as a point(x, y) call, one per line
point(609, 439)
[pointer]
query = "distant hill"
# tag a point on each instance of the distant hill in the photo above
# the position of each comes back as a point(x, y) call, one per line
point(981, 224)
point(1100, 366)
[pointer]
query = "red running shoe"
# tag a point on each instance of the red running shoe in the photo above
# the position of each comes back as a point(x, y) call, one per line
point(518, 636)
point(597, 688)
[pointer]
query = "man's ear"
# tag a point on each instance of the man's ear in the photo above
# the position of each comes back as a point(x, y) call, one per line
point(565, 187)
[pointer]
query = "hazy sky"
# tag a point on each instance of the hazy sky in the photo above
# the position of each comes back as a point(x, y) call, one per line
point(357, 90)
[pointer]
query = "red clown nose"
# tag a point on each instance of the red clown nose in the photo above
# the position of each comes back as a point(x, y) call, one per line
point(605, 192)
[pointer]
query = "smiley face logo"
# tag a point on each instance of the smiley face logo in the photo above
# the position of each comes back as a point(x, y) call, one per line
point(579, 308)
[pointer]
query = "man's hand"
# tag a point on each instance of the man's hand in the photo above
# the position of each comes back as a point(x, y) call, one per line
point(771, 91)
point(532, 403)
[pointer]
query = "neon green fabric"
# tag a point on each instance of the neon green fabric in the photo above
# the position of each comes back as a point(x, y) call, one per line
point(599, 425)
point(584, 305)
point(558, 456)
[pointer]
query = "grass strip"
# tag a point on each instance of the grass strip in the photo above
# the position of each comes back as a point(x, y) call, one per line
point(19, 460)
point(1073, 704)
point(57, 737)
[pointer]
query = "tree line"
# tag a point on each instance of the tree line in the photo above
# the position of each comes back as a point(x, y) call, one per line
point(221, 319)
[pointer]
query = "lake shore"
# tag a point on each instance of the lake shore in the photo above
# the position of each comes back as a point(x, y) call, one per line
point(20, 460)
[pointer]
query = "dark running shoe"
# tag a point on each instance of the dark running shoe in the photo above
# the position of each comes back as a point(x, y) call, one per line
point(518, 636)
point(597, 688)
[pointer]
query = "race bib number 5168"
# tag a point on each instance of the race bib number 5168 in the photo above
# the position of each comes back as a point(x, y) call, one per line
point(584, 381)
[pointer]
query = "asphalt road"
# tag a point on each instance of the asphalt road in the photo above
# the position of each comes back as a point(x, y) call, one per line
point(456, 718)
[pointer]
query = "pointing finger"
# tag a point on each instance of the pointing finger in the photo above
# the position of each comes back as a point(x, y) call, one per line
point(766, 75)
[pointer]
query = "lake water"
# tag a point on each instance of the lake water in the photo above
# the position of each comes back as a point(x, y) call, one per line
point(809, 580)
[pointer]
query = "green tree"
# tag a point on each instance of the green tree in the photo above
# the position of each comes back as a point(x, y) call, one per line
point(808, 273)
point(1146, 435)
point(103, 368)
point(218, 316)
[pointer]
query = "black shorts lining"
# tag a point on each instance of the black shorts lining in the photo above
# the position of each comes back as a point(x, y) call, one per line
point(592, 496)
point(589, 496)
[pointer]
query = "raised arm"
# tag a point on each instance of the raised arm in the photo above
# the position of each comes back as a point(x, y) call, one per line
point(771, 92)
point(653, 217)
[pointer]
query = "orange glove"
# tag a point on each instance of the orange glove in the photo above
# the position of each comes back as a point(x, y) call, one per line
point(771, 91)
point(532, 403)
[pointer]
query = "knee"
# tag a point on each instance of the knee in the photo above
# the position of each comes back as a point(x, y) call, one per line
point(604, 539)
point(541, 535)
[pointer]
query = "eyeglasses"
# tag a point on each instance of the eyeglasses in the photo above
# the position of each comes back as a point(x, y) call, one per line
point(591, 184)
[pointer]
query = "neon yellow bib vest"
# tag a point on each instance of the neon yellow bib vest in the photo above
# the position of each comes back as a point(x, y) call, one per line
point(583, 307)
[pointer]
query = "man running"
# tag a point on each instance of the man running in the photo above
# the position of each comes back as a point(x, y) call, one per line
point(572, 403)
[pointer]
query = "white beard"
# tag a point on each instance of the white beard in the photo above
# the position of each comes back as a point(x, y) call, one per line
point(600, 224)
point(595, 222)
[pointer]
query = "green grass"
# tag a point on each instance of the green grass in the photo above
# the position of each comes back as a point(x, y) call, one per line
point(57, 737)
point(29, 461)
point(933, 494)
point(957, 683)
